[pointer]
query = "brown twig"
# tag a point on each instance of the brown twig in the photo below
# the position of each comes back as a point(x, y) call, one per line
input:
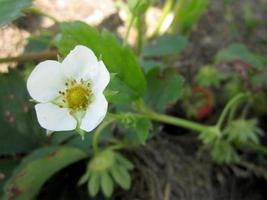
point(31, 57)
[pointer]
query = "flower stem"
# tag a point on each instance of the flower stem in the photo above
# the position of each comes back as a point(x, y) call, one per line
point(36, 11)
point(97, 134)
point(177, 14)
point(177, 121)
point(30, 57)
point(166, 9)
point(132, 19)
point(228, 107)
point(140, 33)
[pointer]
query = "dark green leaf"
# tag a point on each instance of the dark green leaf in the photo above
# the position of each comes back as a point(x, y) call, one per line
point(6, 167)
point(37, 168)
point(165, 45)
point(12, 9)
point(240, 52)
point(38, 43)
point(143, 127)
point(129, 82)
point(20, 132)
point(163, 89)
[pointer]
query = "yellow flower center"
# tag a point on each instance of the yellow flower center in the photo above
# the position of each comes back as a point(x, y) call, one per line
point(78, 97)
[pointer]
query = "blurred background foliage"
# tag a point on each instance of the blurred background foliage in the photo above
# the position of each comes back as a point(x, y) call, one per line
point(186, 58)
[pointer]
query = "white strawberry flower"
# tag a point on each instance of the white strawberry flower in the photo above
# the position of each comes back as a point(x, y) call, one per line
point(70, 94)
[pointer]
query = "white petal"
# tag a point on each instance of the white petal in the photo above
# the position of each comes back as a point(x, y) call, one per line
point(95, 113)
point(102, 79)
point(53, 118)
point(45, 81)
point(81, 62)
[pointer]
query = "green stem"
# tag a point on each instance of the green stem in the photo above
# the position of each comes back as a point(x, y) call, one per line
point(257, 147)
point(228, 107)
point(97, 134)
point(166, 9)
point(232, 113)
point(177, 121)
point(177, 13)
point(31, 57)
point(125, 41)
point(139, 26)
point(36, 11)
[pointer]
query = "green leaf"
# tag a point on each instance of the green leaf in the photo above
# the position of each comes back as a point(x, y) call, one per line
point(39, 43)
point(37, 168)
point(165, 45)
point(20, 131)
point(94, 184)
point(129, 80)
point(240, 52)
point(12, 9)
point(143, 127)
point(163, 89)
point(102, 161)
point(107, 185)
point(7, 166)
point(124, 161)
point(243, 131)
point(209, 76)
point(84, 178)
point(121, 176)
point(211, 135)
point(223, 152)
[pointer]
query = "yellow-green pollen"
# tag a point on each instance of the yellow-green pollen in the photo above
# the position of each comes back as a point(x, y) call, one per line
point(77, 95)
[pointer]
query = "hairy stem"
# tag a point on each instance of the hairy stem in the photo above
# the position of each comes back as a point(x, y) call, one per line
point(228, 107)
point(125, 40)
point(98, 132)
point(140, 34)
point(166, 9)
point(177, 14)
point(177, 121)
